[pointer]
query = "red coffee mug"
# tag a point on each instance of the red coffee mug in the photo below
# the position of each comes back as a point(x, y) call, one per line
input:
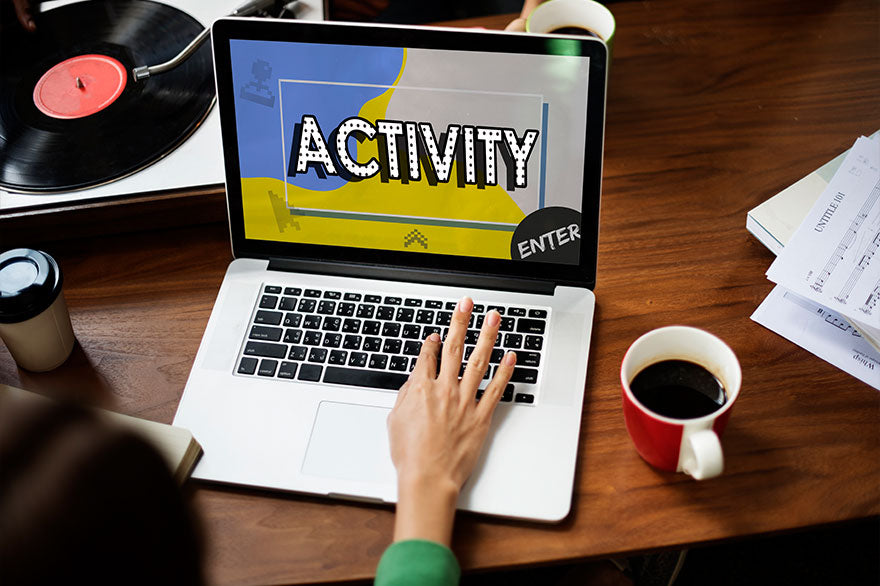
point(681, 445)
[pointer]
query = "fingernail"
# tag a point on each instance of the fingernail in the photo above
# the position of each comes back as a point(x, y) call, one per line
point(466, 304)
point(493, 318)
point(510, 359)
point(435, 337)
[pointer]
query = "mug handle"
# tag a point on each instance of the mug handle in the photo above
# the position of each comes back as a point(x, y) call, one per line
point(702, 457)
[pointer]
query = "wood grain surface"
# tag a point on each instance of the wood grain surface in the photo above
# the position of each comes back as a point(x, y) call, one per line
point(712, 108)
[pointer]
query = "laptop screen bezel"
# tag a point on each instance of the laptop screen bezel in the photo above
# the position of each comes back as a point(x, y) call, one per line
point(583, 274)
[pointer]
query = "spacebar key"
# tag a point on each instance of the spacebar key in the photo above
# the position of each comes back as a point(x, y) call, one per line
point(364, 378)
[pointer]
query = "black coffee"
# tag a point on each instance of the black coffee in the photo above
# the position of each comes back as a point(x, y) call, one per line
point(574, 30)
point(678, 389)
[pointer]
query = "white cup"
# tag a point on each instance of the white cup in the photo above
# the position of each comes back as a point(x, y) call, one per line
point(586, 14)
point(34, 322)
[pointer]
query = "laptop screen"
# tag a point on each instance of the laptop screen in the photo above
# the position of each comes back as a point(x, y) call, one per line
point(378, 144)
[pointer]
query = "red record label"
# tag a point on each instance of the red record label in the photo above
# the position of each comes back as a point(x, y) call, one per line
point(80, 86)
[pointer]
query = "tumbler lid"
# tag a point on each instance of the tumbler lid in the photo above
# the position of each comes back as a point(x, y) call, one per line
point(30, 281)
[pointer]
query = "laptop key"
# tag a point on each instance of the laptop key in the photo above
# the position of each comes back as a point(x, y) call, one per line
point(267, 367)
point(516, 311)
point(357, 359)
point(293, 320)
point(385, 313)
point(345, 309)
point(268, 301)
point(413, 302)
point(306, 305)
point(272, 318)
point(332, 295)
point(366, 311)
point(332, 340)
point(534, 342)
point(293, 336)
point(266, 333)
point(287, 303)
point(524, 375)
point(364, 378)
point(337, 357)
point(507, 395)
point(327, 307)
point(528, 358)
point(497, 355)
point(372, 299)
point(247, 365)
point(312, 293)
point(412, 348)
point(398, 363)
point(444, 318)
point(298, 353)
point(287, 370)
point(318, 355)
point(351, 326)
point(392, 346)
point(405, 314)
point(331, 324)
point(530, 326)
point(433, 304)
point(411, 332)
point(538, 313)
point(378, 361)
point(272, 289)
point(392, 301)
point(265, 349)
point(312, 322)
point(425, 316)
point(294, 291)
point(506, 324)
point(352, 297)
point(372, 344)
point(310, 372)
point(351, 342)
point(312, 338)
point(513, 340)
point(524, 398)
point(391, 329)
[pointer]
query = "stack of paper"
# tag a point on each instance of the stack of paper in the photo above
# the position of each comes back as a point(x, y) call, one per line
point(828, 274)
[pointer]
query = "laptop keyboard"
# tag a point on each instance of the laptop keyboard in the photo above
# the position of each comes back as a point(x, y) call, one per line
point(373, 340)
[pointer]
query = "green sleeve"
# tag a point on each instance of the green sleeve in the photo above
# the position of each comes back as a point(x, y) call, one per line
point(417, 562)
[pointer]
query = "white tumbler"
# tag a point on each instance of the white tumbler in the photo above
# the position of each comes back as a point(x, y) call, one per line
point(34, 322)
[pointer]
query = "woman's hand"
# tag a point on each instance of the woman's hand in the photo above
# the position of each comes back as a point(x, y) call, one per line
point(437, 427)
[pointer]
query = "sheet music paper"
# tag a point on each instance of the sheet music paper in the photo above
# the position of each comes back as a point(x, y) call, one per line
point(821, 331)
point(833, 258)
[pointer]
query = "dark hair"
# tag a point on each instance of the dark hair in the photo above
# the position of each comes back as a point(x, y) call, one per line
point(85, 502)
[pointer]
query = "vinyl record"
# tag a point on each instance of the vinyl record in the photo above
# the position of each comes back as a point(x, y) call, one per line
point(71, 114)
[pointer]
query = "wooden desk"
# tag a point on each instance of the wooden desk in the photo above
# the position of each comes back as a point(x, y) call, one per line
point(713, 107)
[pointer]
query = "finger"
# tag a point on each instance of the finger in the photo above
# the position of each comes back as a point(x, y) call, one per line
point(453, 345)
point(517, 25)
point(479, 359)
point(426, 363)
point(24, 15)
point(496, 387)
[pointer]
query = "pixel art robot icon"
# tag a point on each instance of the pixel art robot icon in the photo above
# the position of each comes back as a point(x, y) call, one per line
point(257, 90)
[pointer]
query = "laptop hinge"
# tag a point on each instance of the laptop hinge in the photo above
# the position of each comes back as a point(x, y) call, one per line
point(413, 275)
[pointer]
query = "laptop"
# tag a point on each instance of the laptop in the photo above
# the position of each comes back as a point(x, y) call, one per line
point(374, 176)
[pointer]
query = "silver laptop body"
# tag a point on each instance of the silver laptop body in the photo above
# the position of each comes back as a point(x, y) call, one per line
point(398, 168)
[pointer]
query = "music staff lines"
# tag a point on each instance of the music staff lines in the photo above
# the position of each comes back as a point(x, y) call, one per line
point(845, 243)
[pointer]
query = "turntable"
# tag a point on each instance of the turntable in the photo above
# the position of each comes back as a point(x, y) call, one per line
point(76, 127)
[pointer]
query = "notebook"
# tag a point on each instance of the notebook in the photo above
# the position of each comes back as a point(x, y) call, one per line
point(374, 176)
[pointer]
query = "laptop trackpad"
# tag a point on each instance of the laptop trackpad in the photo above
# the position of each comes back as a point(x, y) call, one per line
point(350, 441)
